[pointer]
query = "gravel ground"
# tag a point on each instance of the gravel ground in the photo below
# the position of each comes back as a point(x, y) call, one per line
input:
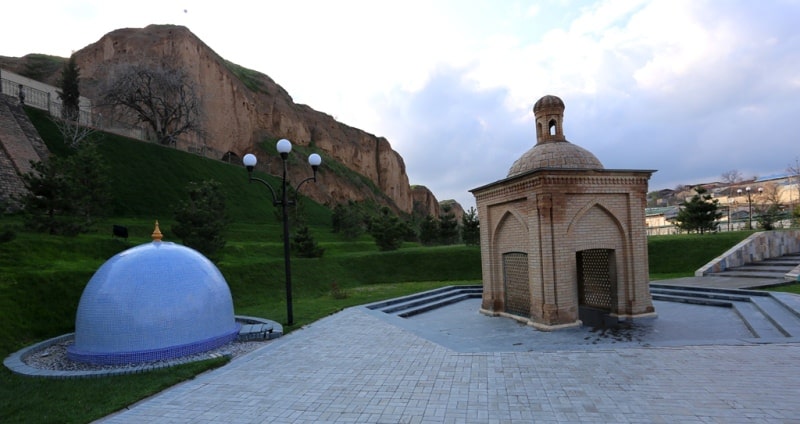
point(54, 357)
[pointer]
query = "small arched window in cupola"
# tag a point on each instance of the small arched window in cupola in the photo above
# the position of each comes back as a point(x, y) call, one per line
point(553, 127)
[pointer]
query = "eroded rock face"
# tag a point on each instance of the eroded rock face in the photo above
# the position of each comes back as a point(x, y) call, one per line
point(455, 208)
point(240, 114)
point(425, 202)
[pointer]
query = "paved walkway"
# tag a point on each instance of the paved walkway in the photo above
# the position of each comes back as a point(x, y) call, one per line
point(360, 366)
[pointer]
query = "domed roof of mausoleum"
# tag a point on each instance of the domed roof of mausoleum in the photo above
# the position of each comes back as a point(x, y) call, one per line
point(555, 155)
point(552, 150)
point(155, 301)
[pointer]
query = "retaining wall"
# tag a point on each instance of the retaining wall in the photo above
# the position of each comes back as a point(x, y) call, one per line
point(757, 247)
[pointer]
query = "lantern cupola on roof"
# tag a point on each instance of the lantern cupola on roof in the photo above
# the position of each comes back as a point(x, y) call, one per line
point(552, 150)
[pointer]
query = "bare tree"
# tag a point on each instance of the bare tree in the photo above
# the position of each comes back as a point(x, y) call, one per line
point(770, 194)
point(732, 177)
point(161, 96)
point(73, 132)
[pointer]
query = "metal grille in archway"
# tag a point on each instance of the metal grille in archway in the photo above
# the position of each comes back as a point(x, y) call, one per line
point(596, 278)
point(515, 280)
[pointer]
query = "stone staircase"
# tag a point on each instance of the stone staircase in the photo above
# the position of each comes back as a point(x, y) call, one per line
point(411, 305)
point(776, 268)
point(767, 315)
point(20, 145)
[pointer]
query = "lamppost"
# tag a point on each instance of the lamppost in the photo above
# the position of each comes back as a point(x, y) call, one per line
point(284, 146)
point(749, 205)
point(730, 203)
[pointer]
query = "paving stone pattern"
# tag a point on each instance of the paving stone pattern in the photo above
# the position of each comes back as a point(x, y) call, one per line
point(356, 367)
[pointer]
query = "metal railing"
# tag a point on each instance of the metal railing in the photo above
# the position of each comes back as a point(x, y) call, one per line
point(44, 100)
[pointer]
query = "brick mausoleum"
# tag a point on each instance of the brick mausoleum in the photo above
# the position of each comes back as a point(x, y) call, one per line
point(563, 240)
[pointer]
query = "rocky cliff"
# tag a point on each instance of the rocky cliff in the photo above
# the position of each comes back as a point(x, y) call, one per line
point(243, 108)
point(425, 202)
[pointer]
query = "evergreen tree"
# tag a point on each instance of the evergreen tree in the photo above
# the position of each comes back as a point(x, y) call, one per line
point(304, 245)
point(200, 220)
point(429, 231)
point(700, 213)
point(88, 176)
point(448, 226)
point(470, 228)
point(66, 194)
point(46, 205)
point(69, 125)
point(70, 93)
point(348, 220)
point(768, 217)
point(796, 216)
point(388, 230)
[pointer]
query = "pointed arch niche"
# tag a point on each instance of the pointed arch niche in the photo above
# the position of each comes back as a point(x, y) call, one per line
point(513, 281)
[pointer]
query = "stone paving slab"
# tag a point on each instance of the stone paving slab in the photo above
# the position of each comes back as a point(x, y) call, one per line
point(357, 367)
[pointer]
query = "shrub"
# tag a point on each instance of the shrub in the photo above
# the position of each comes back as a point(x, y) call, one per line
point(304, 245)
point(388, 230)
point(200, 221)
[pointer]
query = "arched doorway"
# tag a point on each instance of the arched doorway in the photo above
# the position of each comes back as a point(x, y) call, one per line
point(597, 285)
point(515, 284)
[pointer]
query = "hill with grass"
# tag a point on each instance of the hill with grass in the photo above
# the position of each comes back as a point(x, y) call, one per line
point(245, 111)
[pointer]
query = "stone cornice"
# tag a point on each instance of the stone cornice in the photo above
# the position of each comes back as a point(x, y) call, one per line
point(549, 177)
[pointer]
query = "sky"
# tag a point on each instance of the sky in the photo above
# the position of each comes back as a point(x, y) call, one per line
point(690, 88)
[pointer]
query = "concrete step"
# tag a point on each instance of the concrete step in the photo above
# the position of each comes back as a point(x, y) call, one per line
point(758, 323)
point(750, 274)
point(422, 302)
point(782, 261)
point(437, 304)
point(782, 317)
point(383, 304)
point(710, 290)
point(789, 300)
point(694, 300)
point(767, 315)
point(775, 268)
point(714, 295)
point(762, 267)
point(414, 303)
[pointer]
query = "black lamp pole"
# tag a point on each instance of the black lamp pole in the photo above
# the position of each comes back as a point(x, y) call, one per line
point(287, 263)
point(284, 147)
point(730, 202)
point(749, 205)
point(749, 210)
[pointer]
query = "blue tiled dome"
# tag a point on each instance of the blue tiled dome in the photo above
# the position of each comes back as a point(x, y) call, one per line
point(155, 301)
